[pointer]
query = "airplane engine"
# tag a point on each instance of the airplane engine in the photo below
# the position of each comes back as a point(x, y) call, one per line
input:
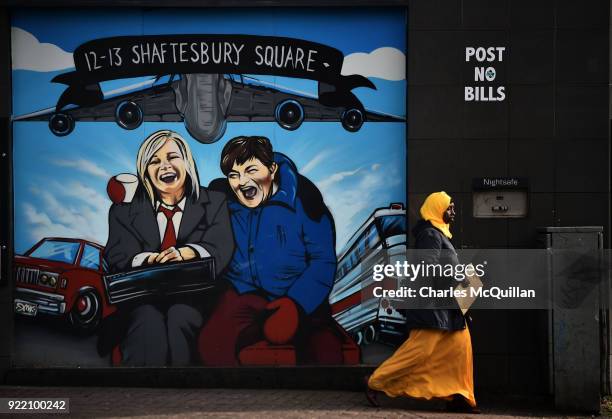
point(352, 119)
point(128, 115)
point(61, 124)
point(289, 114)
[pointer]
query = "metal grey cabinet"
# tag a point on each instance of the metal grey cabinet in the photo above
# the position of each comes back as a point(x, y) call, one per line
point(578, 320)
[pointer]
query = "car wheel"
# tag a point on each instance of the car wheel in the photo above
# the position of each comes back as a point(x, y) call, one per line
point(358, 337)
point(86, 312)
point(370, 334)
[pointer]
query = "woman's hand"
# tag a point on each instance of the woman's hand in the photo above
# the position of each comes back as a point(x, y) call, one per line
point(171, 254)
point(187, 253)
point(151, 258)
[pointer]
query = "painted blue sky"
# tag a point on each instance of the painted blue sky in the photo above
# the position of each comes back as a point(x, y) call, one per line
point(60, 183)
point(357, 30)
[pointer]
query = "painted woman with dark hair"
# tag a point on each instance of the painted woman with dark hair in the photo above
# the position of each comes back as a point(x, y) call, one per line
point(284, 265)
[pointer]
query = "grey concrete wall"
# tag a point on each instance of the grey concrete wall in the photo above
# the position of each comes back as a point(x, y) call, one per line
point(552, 129)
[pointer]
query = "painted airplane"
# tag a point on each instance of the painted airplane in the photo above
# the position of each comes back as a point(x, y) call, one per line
point(206, 102)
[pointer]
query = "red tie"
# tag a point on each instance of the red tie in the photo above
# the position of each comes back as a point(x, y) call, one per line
point(169, 235)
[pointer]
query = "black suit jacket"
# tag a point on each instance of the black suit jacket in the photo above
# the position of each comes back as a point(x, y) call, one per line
point(133, 229)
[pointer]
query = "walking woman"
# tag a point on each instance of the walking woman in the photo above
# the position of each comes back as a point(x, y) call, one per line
point(436, 360)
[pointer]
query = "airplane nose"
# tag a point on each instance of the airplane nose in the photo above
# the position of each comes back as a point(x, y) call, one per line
point(203, 99)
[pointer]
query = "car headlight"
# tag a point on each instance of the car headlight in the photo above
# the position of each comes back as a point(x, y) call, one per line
point(48, 279)
point(63, 283)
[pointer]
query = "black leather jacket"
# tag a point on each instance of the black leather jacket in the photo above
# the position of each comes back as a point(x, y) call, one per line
point(443, 252)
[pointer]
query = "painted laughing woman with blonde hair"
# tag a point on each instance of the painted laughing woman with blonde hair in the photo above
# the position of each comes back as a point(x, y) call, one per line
point(170, 219)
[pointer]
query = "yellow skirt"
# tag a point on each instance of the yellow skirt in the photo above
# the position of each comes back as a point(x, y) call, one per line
point(430, 364)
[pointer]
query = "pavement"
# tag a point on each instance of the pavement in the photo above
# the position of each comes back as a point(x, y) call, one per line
point(116, 402)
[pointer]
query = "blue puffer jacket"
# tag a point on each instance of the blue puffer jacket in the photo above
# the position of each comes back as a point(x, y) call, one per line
point(284, 247)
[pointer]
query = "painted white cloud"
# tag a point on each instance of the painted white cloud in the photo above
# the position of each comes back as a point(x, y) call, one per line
point(30, 54)
point(384, 63)
point(335, 178)
point(118, 155)
point(349, 195)
point(84, 166)
point(314, 162)
point(41, 225)
point(72, 210)
point(87, 195)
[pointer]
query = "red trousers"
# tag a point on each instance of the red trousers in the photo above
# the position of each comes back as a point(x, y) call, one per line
point(237, 322)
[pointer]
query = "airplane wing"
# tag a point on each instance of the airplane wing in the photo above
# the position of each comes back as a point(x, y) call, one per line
point(247, 103)
point(156, 102)
point(252, 103)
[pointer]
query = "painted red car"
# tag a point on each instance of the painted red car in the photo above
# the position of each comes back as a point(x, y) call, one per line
point(63, 277)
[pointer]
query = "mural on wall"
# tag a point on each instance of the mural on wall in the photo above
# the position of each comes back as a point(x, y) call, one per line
point(188, 196)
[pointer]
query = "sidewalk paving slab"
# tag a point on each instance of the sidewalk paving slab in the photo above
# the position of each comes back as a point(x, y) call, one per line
point(118, 402)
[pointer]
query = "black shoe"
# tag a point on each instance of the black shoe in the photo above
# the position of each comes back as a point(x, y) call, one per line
point(371, 395)
point(460, 405)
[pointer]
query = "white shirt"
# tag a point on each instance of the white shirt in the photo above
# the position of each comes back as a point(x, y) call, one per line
point(162, 221)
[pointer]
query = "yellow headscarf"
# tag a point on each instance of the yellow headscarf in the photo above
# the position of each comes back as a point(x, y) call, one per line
point(433, 209)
